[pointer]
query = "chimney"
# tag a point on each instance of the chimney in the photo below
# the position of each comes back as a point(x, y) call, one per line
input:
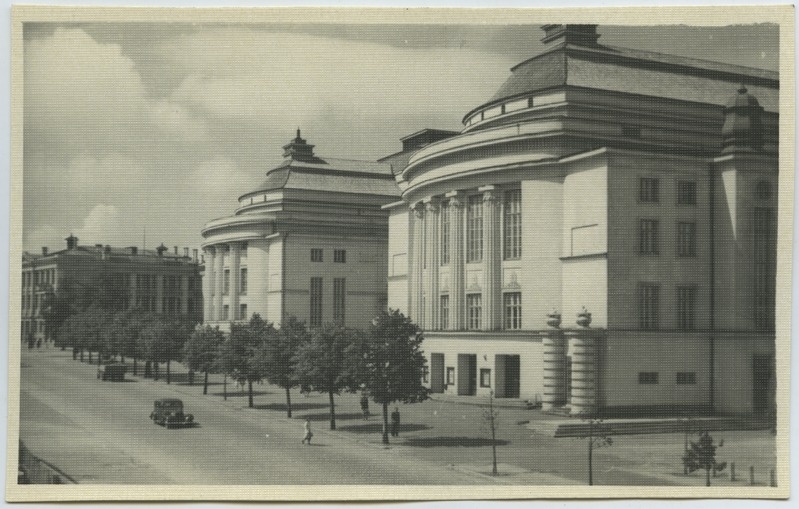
point(176, 250)
point(161, 249)
point(72, 241)
point(44, 251)
point(185, 252)
point(100, 246)
point(194, 254)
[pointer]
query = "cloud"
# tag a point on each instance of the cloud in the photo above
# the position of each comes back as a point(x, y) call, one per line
point(105, 225)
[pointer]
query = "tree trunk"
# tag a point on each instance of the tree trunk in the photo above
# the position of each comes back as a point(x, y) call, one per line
point(81, 354)
point(707, 476)
point(288, 402)
point(90, 357)
point(205, 384)
point(385, 423)
point(590, 461)
point(74, 353)
point(249, 383)
point(155, 371)
point(168, 377)
point(99, 357)
point(224, 390)
point(135, 366)
point(122, 359)
point(148, 369)
point(332, 411)
point(191, 377)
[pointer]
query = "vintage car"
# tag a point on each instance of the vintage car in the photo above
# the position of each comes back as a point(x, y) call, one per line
point(169, 412)
point(114, 372)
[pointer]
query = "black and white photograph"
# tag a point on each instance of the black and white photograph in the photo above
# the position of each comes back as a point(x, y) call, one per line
point(359, 254)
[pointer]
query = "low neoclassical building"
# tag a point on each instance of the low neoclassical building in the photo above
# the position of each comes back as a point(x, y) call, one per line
point(309, 241)
point(638, 186)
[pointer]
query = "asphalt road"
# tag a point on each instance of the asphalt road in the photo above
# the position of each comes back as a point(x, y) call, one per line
point(100, 432)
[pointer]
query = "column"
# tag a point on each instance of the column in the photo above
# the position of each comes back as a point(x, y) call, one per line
point(456, 276)
point(554, 365)
point(219, 271)
point(235, 262)
point(584, 348)
point(159, 293)
point(492, 260)
point(418, 265)
point(432, 240)
point(209, 285)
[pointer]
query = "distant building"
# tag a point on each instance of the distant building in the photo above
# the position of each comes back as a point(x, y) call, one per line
point(157, 281)
point(310, 242)
point(600, 236)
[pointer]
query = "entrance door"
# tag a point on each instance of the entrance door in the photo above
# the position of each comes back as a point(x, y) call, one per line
point(467, 374)
point(761, 383)
point(507, 369)
point(437, 373)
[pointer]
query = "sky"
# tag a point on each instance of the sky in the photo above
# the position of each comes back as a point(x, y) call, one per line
point(140, 133)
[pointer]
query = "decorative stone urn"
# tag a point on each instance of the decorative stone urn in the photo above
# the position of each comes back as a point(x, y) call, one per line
point(584, 318)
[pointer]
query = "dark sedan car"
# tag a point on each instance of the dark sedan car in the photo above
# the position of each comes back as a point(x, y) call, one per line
point(169, 412)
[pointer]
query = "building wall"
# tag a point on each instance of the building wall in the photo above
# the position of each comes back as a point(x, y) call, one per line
point(734, 357)
point(398, 253)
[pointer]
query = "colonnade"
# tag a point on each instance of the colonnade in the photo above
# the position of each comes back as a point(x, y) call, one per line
point(216, 256)
point(425, 260)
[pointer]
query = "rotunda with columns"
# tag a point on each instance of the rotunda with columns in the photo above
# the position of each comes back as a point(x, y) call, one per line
point(594, 240)
point(309, 242)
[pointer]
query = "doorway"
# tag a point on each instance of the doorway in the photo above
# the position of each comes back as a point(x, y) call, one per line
point(761, 383)
point(467, 374)
point(437, 382)
point(508, 374)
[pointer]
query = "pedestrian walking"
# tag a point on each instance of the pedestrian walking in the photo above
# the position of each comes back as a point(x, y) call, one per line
point(308, 434)
point(365, 406)
point(395, 422)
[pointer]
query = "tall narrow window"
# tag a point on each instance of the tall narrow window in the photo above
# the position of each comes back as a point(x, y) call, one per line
point(686, 239)
point(316, 302)
point(445, 232)
point(686, 192)
point(512, 224)
point(648, 302)
point(316, 255)
point(339, 299)
point(474, 229)
point(340, 256)
point(474, 306)
point(648, 237)
point(513, 310)
point(444, 312)
point(242, 311)
point(243, 282)
point(649, 190)
point(225, 312)
point(686, 303)
point(226, 282)
point(764, 267)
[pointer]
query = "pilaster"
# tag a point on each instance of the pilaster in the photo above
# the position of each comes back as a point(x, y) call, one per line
point(457, 274)
point(432, 242)
point(491, 259)
point(235, 261)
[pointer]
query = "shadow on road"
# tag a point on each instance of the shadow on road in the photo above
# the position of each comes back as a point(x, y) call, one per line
point(326, 416)
point(377, 427)
point(295, 407)
point(450, 442)
point(238, 394)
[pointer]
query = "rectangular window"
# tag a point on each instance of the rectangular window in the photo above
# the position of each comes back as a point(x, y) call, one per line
point(316, 302)
point(450, 376)
point(513, 310)
point(686, 239)
point(648, 237)
point(339, 299)
point(686, 303)
point(686, 378)
point(474, 229)
point(445, 233)
point(340, 256)
point(242, 311)
point(474, 306)
point(512, 224)
point(316, 255)
point(444, 312)
point(764, 267)
point(243, 281)
point(648, 378)
point(686, 192)
point(485, 378)
point(648, 303)
point(649, 190)
point(243, 250)
point(225, 312)
point(226, 282)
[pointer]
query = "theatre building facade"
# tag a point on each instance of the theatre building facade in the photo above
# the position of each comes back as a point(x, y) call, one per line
point(600, 237)
point(309, 242)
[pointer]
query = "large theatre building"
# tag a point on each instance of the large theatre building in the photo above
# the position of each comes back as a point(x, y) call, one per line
point(600, 236)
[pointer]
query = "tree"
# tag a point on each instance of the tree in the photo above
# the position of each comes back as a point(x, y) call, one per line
point(202, 349)
point(277, 354)
point(239, 354)
point(164, 339)
point(389, 363)
point(702, 455)
point(490, 416)
point(598, 436)
point(319, 363)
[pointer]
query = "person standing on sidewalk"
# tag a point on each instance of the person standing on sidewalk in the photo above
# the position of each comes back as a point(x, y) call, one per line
point(308, 434)
point(395, 422)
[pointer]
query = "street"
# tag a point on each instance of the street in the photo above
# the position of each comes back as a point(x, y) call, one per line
point(100, 432)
